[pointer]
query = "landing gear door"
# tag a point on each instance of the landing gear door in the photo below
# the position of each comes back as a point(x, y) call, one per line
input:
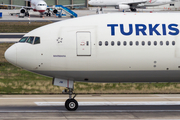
point(83, 45)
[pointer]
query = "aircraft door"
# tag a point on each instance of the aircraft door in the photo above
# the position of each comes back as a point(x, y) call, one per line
point(83, 43)
point(177, 47)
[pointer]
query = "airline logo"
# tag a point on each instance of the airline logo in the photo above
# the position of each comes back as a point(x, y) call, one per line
point(143, 29)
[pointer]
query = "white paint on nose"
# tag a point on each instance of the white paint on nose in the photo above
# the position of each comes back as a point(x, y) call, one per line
point(11, 54)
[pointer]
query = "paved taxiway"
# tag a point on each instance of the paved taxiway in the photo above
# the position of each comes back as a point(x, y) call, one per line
point(32, 107)
point(10, 37)
point(35, 16)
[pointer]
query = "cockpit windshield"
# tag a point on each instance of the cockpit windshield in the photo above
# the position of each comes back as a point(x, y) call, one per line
point(23, 39)
point(37, 40)
point(41, 4)
point(31, 40)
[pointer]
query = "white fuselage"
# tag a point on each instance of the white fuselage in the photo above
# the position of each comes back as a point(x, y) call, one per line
point(145, 3)
point(105, 48)
point(39, 5)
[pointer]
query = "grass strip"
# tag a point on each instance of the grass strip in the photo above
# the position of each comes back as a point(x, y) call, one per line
point(20, 27)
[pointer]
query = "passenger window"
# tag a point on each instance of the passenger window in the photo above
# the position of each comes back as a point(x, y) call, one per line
point(167, 42)
point(149, 43)
point(143, 43)
point(37, 40)
point(155, 43)
point(106, 43)
point(23, 39)
point(125, 43)
point(100, 43)
point(118, 43)
point(112, 43)
point(137, 43)
point(161, 43)
point(131, 43)
point(173, 42)
point(30, 40)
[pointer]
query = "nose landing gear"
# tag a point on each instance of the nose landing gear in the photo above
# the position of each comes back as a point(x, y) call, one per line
point(71, 104)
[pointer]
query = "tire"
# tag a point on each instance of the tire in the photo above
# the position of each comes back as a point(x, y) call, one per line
point(71, 104)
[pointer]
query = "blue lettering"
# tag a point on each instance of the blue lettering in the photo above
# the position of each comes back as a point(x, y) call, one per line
point(153, 29)
point(142, 30)
point(126, 33)
point(176, 30)
point(112, 28)
point(164, 29)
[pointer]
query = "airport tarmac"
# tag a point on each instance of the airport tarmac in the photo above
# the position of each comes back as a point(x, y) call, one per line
point(98, 107)
point(10, 37)
point(35, 16)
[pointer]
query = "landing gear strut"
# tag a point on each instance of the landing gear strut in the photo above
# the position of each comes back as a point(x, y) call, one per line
point(99, 11)
point(41, 15)
point(133, 9)
point(48, 12)
point(71, 104)
point(26, 13)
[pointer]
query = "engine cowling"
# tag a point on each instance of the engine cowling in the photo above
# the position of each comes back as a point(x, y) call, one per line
point(123, 7)
point(22, 10)
point(55, 11)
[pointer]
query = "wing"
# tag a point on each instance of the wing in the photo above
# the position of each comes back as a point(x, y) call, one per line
point(68, 5)
point(73, 5)
point(25, 7)
point(134, 3)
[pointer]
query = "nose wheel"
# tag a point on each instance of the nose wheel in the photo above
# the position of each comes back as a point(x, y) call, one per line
point(71, 104)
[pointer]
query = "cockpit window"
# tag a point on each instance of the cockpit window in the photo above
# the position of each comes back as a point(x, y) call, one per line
point(23, 39)
point(41, 4)
point(37, 40)
point(30, 40)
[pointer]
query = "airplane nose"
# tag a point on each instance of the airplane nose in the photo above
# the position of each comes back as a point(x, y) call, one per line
point(11, 55)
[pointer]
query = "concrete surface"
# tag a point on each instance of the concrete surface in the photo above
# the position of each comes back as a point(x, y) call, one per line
point(25, 107)
point(35, 16)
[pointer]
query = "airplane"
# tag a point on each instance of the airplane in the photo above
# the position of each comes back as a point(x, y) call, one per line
point(130, 4)
point(118, 47)
point(38, 6)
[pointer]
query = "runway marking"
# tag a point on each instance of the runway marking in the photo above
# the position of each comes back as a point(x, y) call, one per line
point(13, 40)
point(87, 111)
point(110, 103)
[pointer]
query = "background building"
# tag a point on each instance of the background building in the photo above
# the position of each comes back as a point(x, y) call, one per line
point(49, 2)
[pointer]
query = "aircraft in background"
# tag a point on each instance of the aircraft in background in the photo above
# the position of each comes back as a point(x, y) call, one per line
point(129, 4)
point(38, 6)
point(142, 47)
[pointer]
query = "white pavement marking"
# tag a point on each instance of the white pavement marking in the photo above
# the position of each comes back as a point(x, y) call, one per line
point(9, 39)
point(110, 103)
